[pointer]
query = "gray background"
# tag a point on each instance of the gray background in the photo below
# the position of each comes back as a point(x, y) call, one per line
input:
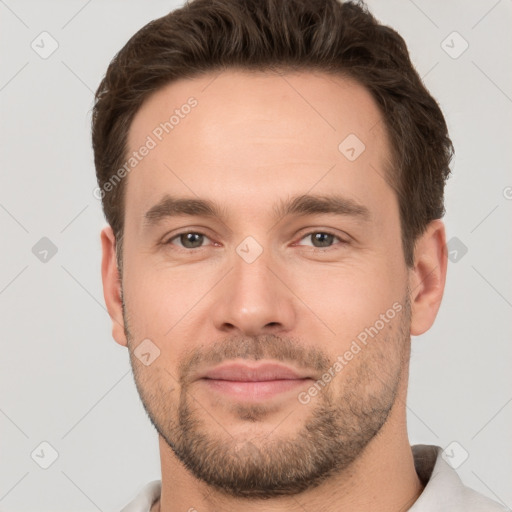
point(64, 381)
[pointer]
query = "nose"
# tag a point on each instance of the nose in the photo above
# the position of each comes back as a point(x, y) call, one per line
point(254, 299)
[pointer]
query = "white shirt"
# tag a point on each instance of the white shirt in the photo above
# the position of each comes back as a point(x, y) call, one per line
point(443, 492)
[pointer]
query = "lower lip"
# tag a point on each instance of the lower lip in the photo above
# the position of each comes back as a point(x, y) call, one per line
point(258, 390)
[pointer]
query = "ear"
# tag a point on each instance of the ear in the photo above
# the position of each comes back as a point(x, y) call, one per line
point(112, 284)
point(428, 276)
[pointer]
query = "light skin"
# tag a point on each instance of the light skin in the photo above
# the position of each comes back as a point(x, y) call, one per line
point(253, 142)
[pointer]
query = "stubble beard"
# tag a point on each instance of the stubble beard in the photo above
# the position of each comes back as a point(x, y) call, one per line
point(340, 421)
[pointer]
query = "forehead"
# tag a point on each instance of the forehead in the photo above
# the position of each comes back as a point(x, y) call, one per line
point(251, 137)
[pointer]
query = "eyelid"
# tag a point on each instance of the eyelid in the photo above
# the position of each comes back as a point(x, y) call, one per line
point(169, 239)
point(342, 240)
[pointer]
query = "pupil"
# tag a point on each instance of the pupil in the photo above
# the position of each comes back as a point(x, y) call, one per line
point(319, 237)
point(190, 238)
point(194, 238)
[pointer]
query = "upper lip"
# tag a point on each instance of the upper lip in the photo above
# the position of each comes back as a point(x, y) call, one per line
point(252, 372)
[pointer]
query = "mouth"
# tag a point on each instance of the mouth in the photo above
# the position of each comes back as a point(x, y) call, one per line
point(253, 382)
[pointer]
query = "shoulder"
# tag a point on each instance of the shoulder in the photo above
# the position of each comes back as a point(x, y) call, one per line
point(145, 498)
point(444, 490)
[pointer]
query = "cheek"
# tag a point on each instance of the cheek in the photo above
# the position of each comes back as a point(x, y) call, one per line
point(342, 301)
point(160, 300)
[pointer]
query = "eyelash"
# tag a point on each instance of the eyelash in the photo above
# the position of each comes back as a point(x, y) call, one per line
point(314, 249)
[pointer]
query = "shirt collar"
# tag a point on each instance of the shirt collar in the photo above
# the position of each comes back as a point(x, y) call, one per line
point(444, 489)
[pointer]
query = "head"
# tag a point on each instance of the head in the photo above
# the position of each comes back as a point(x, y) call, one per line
point(272, 173)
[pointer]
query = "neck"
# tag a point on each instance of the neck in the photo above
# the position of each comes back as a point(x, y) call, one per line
point(383, 478)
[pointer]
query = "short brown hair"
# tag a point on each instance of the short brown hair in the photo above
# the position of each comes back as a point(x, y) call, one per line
point(317, 35)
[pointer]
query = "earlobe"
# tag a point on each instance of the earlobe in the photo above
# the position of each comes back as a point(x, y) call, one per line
point(427, 277)
point(112, 284)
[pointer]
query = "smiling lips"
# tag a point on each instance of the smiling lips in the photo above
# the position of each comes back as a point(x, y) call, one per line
point(253, 382)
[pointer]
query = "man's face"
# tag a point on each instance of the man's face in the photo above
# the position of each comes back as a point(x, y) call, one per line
point(282, 337)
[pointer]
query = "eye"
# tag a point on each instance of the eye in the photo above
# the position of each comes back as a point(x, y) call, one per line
point(322, 239)
point(194, 240)
point(188, 240)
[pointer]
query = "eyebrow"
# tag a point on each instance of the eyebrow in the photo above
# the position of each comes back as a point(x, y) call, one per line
point(301, 205)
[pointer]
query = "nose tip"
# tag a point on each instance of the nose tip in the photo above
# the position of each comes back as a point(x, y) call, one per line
point(253, 301)
point(252, 321)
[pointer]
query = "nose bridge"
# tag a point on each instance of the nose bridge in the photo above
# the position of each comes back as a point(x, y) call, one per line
point(253, 298)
